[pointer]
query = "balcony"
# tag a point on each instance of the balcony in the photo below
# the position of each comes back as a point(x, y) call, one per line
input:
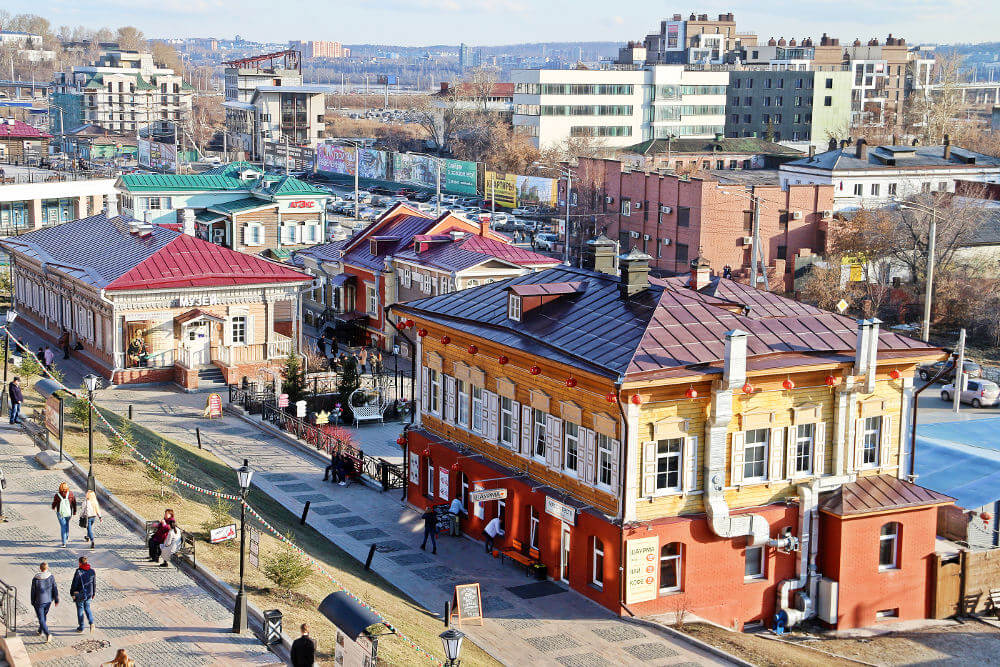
point(233, 355)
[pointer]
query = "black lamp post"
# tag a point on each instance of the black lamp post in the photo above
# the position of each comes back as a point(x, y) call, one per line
point(452, 640)
point(8, 319)
point(240, 612)
point(91, 381)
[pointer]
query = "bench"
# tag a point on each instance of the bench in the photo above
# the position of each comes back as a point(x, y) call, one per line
point(187, 541)
point(995, 601)
point(367, 412)
point(517, 553)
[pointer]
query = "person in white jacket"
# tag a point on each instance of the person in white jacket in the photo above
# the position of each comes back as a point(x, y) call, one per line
point(91, 512)
point(171, 544)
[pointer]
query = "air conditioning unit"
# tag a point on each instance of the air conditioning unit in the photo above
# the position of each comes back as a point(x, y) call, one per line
point(666, 241)
point(645, 237)
point(609, 200)
point(637, 205)
point(666, 210)
point(796, 215)
point(827, 215)
point(634, 235)
point(746, 240)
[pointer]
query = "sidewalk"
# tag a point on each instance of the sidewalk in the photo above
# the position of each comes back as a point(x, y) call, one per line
point(527, 622)
point(158, 615)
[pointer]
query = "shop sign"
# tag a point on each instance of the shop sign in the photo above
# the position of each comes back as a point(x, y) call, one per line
point(640, 572)
point(301, 204)
point(282, 400)
point(415, 468)
point(222, 534)
point(443, 484)
point(564, 513)
point(489, 494)
point(213, 407)
point(195, 300)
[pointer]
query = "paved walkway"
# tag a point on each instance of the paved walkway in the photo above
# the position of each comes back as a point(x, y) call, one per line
point(527, 622)
point(158, 614)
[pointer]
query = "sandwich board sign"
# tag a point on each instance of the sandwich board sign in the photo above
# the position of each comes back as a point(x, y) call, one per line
point(468, 603)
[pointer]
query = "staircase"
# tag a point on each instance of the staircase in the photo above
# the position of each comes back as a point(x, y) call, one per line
point(210, 379)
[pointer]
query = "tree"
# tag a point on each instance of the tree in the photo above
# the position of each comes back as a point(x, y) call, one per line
point(932, 113)
point(163, 458)
point(285, 566)
point(293, 378)
point(120, 451)
point(349, 380)
point(438, 116)
point(130, 38)
point(79, 408)
point(220, 513)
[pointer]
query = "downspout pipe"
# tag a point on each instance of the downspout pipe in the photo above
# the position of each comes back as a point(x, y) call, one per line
point(805, 565)
point(621, 502)
point(913, 424)
point(413, 363)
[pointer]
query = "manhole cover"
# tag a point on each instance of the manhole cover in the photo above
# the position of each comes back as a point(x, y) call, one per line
point(91, 645)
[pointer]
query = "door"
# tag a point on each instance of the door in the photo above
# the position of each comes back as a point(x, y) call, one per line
point(564, 554)
point(971, 391)
point(199, 343)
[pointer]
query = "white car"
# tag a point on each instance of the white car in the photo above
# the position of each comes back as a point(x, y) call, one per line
point(978, 393)
point(546, 241)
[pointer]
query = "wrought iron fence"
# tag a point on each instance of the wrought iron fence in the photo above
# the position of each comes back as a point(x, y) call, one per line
point(8, 608)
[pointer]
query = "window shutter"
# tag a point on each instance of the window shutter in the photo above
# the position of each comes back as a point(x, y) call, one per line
point(515, 426)
point(250, 336)
point(548, 440)
point(227, 331)
point(791, 449)
point(555, 428)
point(690, 481)
point(494, 413)
point(859, 443)
point(615, 453)
point(649, 468)
point(885, 442)
point(819, 449)
point(736, 458)
point(449, 399)
point(777, 452)
point(590, 449)
point(424, 390)
point(526, 430)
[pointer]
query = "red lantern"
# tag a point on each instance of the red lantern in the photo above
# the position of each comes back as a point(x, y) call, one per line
point(455, 467)
point(788, 384)
point(534, 370)
point(830, 381)
point(503, 359)
point(747, 388)
point(473, 349)
point(401, 326)
point(894, 374)
point(445, 340)
point(570, 382)
point(691, 393)
point(408, 323)
point(400, 441)
point(636, 399)
point(985, 516)
point(421, 332)
point(611, 398)
point(427, 452)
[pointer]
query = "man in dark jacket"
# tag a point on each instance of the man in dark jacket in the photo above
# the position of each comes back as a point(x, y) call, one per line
point(44, 593)
point(430, 529)
point(82, 590)
point(16, 398)
point(304, 649)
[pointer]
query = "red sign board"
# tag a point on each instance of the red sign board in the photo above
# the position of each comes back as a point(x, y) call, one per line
point(214, 408)
point(282, 400)
point(301, 204)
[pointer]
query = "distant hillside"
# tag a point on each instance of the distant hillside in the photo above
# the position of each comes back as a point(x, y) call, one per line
point(590, 49)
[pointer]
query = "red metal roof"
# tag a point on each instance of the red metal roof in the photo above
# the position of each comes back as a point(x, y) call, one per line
point(879, 493)
point(506, 251)
point(190, 262)
point(21, 130)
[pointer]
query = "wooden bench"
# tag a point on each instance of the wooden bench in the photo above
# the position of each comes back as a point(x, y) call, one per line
point(995, 601)
point(517, 553)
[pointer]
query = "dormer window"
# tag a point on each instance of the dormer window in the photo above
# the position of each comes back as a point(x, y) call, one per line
point(514, 307)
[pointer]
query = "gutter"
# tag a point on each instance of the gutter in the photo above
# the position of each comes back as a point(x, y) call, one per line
point(621, 503)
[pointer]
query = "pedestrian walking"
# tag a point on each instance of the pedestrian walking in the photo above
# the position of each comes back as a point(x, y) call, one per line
point(48, 356)
point(493, 528)
point(321, 346)
point(304, 649)
point(64, 504)
point(89, 513)
point(16, 398)
point(376, 361)
point(171, 544)
point(64, 343)
point(362, 360)
point(44, 594)
point(121, 660)
point(430, 529)
point(82, 590)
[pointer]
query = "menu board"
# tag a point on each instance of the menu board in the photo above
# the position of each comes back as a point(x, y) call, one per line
point(640, 573)
point(468, 603)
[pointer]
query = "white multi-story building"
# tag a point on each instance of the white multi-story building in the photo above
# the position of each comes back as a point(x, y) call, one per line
point(619, 107)
point(125, 91)
point(277, 114)
point(874, 177)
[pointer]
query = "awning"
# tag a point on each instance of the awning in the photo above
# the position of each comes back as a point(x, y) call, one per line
point(196, 314)
point(342, 279)
point(280, 253)
point(349, 616)
point(351, 316)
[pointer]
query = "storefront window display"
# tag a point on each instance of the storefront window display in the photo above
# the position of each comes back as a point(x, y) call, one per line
point(138, 341)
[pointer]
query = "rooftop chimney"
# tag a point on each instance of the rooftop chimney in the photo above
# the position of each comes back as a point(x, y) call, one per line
point(861, 149)
point(701, 273)
point(812, 151)
point(484, 226)
point(866, 352)
point(634, 272)
point(734, 365)
point(599, 255)
point(947, 147)
point(187, 220)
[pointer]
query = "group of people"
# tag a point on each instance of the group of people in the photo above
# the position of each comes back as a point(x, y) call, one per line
point(45, 593)
point(165, 539)
point(456, 509)
point(65, 506)
point(337, 471)
point(46, 356)
point(368, 360)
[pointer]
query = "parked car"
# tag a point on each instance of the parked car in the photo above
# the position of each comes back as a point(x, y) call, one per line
point(546, 241)
point(421, 197)
point(978, 393)
point(927, 371)
point(379, 190)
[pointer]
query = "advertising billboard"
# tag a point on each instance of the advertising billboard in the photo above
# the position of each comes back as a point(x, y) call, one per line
point(536, 190)
point(414, 169)
point(501, 188)
point(335, 159)
point(460, 176)
point(154, 155)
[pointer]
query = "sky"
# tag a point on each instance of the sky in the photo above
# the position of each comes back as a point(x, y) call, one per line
point(491, 22)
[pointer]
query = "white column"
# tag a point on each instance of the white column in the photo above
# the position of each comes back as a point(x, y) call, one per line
point(631, 462)
point(268, 325)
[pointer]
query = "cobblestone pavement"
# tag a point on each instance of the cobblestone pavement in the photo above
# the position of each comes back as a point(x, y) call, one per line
point(559, 627)
point(158, 614)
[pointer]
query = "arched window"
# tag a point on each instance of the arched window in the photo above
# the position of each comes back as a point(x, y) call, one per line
point(888, 546)
point(671, 556)
point(597, 560)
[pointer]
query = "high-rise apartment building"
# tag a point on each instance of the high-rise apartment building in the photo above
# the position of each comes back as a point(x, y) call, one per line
point(320, 49)
point(695, 40)
point(125, 92)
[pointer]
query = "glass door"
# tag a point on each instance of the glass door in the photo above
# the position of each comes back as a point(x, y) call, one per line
point(564, 543)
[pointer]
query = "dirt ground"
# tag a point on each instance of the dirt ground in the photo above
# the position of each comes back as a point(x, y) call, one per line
point(970, 642)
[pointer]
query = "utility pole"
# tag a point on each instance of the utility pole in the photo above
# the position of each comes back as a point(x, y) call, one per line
point(925, 328)
point(569, 190)
point(959, 372)
point(286, 155)
point(438, 161)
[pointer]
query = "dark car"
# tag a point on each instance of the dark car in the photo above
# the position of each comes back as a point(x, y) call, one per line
point(406, 192)
point(927, 371)
point(421, 197)
point(379, 190)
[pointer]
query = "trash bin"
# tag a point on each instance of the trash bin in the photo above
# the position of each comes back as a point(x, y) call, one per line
point(272, 626)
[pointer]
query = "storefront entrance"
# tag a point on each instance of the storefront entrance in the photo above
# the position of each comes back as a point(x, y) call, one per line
point(197, 340)
point(564, 547)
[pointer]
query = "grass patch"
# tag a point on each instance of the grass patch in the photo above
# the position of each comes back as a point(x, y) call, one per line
point(195, 513)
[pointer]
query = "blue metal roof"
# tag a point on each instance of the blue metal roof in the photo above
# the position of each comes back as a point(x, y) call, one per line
point(961, 459)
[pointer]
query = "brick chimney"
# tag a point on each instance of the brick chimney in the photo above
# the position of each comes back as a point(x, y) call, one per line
point(861, 149)
point(484, 227)
point(634, 272)
point(599, 255)
point(947, 147)
point(701, 273)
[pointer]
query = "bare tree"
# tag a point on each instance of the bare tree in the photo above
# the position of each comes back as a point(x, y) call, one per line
point(438, 116)
point(932, 113)
point(130, 38)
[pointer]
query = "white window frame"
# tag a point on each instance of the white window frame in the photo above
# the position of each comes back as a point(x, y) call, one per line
point(605, 450)
point(404, 277)
point(678, 564)
point(434, 380)
point(805, 446)
point(893, 538)
point(538, 422)
point(568, 448)
point(626, 208)
point(761, 573)
point(238, 323)
point(597, 573)
point(667, 456)
point(371, 300)
point(478, 424)
point(534, 524)
point(506, 422)
point(859, 189)
point(514, 307)
point(429, 490)
point(867, 446)
point(747, 446)
point(462, 396)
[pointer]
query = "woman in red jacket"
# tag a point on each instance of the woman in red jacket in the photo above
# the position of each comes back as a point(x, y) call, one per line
point(64, 504)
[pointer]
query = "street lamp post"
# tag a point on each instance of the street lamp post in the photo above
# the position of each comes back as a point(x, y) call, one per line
point(91, 381)
point(245, 474)
point(925, 325)
point(452, 641)
point(8, 319)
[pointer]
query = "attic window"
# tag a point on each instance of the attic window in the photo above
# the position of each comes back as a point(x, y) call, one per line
point(514, 307)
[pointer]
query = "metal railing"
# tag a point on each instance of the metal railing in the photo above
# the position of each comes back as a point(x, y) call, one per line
point(8, 608)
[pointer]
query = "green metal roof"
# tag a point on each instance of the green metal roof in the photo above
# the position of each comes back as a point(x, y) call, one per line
point(241, 205)
point(279, 253)
point(186, 86)
point(288, 185)
point(208, 216)
point(231, 169)
point(181, 183)
point(95, 81)
point(142, 84)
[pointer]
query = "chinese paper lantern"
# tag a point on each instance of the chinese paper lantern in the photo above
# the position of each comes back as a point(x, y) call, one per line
point(788, 384)
point(427, 452)
point(401, 441)
point(894, 374)
point(455, 467)
point(503, 359)
point(611, 398)
point(534, 370)
point(445, 340)
point(408, 323)
point(570, 382)
point(830, 380)
point(747, 388)
point(691, 393)
point(473, 349)
point(636, 399)
point(421, 332)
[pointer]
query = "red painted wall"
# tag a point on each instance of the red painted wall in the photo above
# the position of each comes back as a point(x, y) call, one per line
point(849, 553)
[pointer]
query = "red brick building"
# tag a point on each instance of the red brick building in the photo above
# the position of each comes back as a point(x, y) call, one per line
point(674, 218)
point(703, 437)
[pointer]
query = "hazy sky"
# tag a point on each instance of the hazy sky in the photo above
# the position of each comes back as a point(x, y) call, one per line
point(417, 22)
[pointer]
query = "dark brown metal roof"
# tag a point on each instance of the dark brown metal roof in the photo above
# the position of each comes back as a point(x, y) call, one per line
point(547, 289)
point(879, 493)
